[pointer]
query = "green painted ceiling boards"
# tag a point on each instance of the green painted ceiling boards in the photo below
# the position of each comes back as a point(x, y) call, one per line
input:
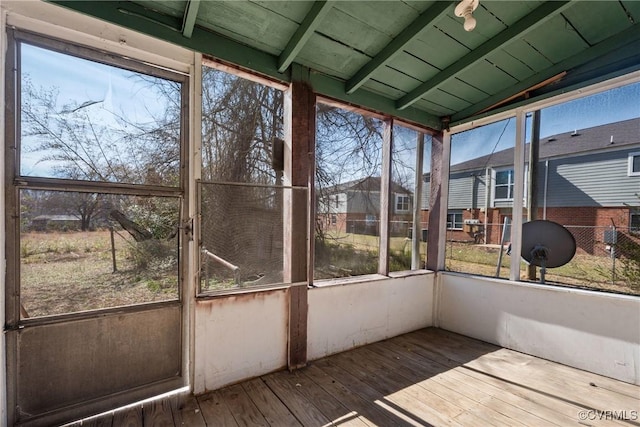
point(410, 59)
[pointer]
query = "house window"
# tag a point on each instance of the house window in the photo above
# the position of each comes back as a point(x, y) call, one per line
point(337, 201)
point(454, 220)
point(634, 221)
point(634, 164)
point(402, 202)
point(503, 188)
point(334, 219)
point(370, 220)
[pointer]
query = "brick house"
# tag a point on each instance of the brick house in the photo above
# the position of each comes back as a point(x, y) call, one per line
point(354, 207)
point(587, 178)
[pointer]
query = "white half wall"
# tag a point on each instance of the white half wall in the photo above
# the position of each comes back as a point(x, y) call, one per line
point(595, 331)
point(239, 337)
point(242, 336)
point(356, 313)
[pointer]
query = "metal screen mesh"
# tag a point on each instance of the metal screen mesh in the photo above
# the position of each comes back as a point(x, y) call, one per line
point(603, 259)
point(241, 235)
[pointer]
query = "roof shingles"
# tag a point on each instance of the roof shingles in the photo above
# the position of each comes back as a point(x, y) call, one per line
point(579, 142)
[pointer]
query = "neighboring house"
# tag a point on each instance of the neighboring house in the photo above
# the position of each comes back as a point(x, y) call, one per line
point(354, 207)
point(55, 222)
point(589, 177)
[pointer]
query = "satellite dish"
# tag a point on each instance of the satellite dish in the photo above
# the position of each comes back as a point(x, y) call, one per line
point(547, 244)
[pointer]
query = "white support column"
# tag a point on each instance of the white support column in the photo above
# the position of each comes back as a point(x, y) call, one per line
point(194, 154)
point(518, 195)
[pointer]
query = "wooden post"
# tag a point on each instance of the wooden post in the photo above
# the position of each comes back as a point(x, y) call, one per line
point(439, 180)
point(532, 189)
point(385, 197)
point(416, 237)
point(300, 118)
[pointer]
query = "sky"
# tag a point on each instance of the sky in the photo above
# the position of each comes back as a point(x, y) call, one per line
point(107, 92)
point(615, 105)
point(80, 81)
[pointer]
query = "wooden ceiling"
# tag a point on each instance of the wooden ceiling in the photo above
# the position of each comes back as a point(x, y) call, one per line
point(408, 58)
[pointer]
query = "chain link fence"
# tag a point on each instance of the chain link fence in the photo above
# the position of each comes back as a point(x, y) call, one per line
point(242, 245)
point(607, 258)
point(353, 249)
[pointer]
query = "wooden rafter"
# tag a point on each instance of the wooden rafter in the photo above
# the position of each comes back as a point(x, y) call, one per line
point(525, 92)
point(397, 44)
point(318, 11)
point(525, 25)
point(612, 44)
point(189, 20)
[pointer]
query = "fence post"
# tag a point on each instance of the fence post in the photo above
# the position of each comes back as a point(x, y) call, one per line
point(502, 240)
point(613, 255)
point(113, 250)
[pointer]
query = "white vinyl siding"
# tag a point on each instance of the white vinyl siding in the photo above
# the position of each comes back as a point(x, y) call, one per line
point(591, 180)
point(467, 190)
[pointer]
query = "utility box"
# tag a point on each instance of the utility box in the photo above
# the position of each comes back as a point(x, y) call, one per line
point(610, 237)
point(471, 225)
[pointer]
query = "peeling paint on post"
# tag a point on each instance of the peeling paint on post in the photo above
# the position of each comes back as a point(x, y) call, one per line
point(300, 116)
point(435, 200)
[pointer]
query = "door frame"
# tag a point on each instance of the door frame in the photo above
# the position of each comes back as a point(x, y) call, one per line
point(14, 325)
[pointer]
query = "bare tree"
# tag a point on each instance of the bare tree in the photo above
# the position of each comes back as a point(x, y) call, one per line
point(92, 141)
point(240, 121)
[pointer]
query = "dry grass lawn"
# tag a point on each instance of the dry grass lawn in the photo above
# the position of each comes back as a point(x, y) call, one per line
point(63, 272)
point(584, 271)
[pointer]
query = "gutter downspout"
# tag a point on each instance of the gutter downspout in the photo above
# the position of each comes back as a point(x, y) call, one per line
point(487, 195)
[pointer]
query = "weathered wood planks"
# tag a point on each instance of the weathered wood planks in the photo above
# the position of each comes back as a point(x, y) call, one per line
point(428, 377)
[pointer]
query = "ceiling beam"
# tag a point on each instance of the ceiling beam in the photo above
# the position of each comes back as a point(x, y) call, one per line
point(189, 20)
point(525, 25)
point(621, 41)
point(315, 16)
point(168, 28)
point(526, 92)
point(427, 17)
point(333, 88)
point(163, 27)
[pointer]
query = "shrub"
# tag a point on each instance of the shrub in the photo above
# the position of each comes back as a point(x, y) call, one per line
point(628, 249)
point(152, 254)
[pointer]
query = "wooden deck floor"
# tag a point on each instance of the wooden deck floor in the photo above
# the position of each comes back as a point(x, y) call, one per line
point(426, 378)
